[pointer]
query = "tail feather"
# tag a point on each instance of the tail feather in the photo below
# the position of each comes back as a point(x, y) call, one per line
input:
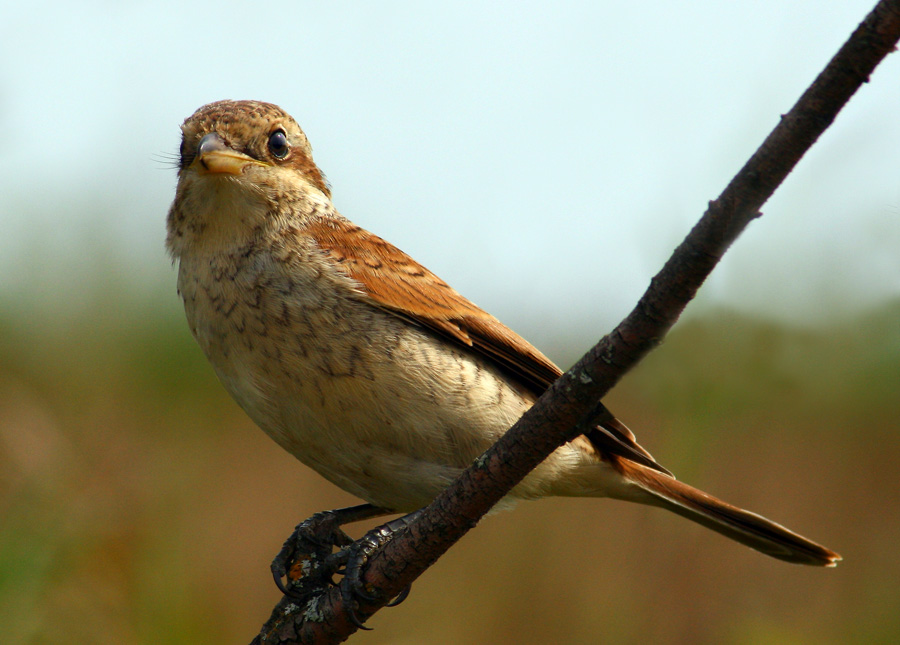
point(743, 526)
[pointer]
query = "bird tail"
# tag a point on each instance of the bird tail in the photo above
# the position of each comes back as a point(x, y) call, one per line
point(743, 526)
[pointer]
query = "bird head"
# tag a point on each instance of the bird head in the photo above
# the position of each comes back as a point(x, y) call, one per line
point(241, 165)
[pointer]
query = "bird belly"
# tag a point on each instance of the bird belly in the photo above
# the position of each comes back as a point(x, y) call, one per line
point(381, 408)
point(394, 425)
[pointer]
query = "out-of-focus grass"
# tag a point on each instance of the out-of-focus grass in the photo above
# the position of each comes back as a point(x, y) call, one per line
point(139, 505)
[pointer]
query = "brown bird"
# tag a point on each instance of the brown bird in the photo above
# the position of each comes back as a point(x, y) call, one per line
point(361, 362)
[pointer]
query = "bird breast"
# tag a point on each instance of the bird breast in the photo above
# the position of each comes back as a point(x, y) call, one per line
point(374, 403)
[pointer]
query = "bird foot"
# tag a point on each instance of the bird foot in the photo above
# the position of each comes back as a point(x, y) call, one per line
point(358, 555)
point(308, 560)
point(305, 559)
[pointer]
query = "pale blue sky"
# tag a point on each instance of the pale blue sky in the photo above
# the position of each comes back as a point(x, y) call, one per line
point(544, 158)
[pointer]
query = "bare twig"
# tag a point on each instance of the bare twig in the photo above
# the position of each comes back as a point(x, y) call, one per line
point(564, 411)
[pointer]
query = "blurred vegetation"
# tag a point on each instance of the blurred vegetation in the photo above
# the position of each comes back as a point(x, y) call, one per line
point(139, 505)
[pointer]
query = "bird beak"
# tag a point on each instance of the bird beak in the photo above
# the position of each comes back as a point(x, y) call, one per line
point(214, 157)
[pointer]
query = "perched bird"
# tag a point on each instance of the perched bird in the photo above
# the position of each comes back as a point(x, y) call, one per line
point(361, 362)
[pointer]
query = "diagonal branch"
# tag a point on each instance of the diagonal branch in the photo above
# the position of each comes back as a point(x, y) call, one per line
point(566, 409)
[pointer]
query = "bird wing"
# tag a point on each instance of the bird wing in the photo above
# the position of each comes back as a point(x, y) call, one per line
point(394, 282)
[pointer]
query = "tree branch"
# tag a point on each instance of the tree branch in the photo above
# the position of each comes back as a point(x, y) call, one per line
point(565, 410)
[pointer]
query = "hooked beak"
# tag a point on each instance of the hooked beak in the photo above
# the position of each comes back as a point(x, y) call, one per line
point(214, 157)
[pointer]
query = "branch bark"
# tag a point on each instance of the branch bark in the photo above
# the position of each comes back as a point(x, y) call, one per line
point(565, 410)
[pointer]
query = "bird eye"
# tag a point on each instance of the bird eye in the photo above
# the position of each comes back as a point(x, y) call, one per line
point(278, 144)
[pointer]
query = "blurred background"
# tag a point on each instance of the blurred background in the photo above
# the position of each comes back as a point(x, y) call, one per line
point(544, 159)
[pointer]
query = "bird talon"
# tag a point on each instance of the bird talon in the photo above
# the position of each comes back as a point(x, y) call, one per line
point(358, 554)
point(400, 597)
point(351, 606)
point(308, 555)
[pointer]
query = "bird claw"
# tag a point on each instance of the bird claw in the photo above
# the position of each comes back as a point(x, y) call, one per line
point(352, 586)
point(306, 552)
point(400, 597)
point(308, 559)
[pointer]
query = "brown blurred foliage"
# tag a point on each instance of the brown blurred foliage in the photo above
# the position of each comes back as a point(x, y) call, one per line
point(139, 505)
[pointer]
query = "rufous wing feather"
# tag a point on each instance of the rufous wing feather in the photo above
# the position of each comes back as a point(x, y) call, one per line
point(393, 281)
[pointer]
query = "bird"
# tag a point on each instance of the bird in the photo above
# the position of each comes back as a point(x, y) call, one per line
point(362, 363)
